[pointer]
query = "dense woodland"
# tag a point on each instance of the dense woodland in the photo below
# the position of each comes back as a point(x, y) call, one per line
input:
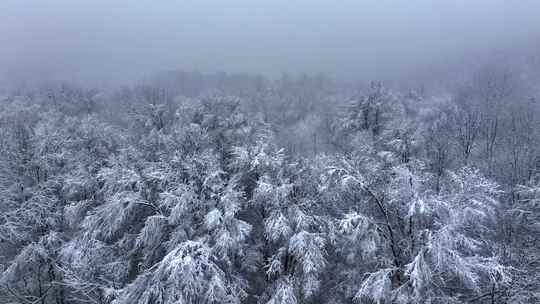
point(195, 188)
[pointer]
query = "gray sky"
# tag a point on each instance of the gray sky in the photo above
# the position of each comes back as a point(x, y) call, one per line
point(119, 40)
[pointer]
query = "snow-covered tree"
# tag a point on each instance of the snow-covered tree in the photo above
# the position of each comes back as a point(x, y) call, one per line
point(413, 243)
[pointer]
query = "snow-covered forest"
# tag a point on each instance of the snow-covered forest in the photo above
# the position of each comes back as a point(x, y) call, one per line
point(269, 152)
point(221, 188)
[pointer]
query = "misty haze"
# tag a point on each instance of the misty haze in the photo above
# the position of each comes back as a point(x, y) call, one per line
point(269, 152)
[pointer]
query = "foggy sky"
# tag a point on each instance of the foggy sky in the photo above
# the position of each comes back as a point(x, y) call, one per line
point(104, 41)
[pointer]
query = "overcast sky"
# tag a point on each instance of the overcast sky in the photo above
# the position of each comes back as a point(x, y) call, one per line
point(121, 40)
